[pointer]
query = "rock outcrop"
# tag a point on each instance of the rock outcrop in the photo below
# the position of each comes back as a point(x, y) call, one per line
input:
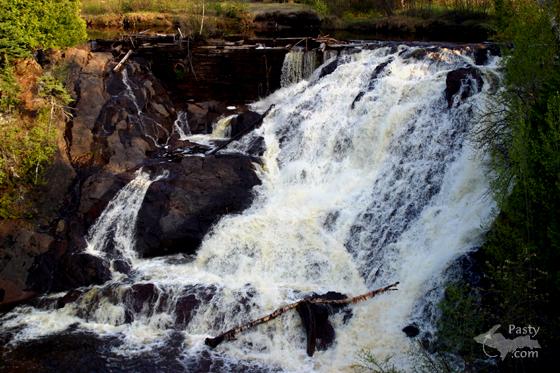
point(464, 81)
point(121, 122)
point(178, 211)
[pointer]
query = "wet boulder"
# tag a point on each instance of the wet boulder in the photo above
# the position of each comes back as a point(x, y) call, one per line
point(80, 269)
point(179, 210)
point(245, 122)
point(411, 330)
point(329, 68)
point(315, 319)
point(465, 81)
point(189, 301)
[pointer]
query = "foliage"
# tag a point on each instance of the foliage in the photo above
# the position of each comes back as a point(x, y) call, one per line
point(368, 362)
point(9, 89)
point(455, 331)
point(521, 256)
point(230, 9)
point(28, 138)
point(422, 8)
point(53, 89)
point(26, 149)
point(27, 25)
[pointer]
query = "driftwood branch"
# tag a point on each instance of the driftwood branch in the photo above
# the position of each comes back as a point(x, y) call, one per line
point(230, 334)
point(120, 65)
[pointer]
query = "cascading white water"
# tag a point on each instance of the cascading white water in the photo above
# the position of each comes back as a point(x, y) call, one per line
point(156, 128)
point(298, 65)
point(356, 194)
point(113, 235)
point(181, 125)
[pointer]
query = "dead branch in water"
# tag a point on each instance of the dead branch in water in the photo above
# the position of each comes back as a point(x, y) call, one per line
point(230, 334)
point(120, 65)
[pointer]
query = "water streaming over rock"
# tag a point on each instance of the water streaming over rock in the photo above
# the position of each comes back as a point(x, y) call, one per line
point(367, 179)
point(298, 64)
point(181, 125)
point(149, 127)
point(113, 234)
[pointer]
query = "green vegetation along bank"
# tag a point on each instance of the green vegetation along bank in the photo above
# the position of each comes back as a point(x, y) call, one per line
point(518, 280)
point(33, 99)
point(468, 20)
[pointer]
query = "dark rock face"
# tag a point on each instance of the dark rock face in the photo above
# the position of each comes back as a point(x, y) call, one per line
point(315, 319)
point(287, 23)
point(178, 211)
point(81, 269)
point(233, 75)
point(71, 270)
point(20, 243)
point(467, 78)
point(244, 122)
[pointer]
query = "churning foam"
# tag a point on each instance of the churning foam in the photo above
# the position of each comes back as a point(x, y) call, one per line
point(356, 194)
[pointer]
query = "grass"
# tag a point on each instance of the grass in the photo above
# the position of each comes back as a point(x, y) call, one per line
point(229, 9)
point(236, 17)
point(164, 15)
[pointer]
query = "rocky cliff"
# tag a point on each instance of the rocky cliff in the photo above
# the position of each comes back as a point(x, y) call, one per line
point(122, 121)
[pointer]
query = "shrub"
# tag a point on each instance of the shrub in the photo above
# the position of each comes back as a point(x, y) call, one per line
point(27, 25)
point(9, 89)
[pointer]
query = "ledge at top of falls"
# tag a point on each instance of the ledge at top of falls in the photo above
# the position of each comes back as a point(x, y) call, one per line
point(239, 71)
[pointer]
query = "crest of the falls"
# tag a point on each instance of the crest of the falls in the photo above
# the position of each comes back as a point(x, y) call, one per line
point(356, 193)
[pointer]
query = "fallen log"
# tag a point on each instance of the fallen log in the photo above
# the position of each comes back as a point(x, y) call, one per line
point(120, 65)
point(230, 334)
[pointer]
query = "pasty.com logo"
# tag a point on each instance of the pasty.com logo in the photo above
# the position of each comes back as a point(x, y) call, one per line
point(518, 346)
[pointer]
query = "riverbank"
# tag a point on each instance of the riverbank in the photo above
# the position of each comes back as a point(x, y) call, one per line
point(281, 20)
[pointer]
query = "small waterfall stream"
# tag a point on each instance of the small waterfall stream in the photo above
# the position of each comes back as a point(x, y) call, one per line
point(152, 131)
point(356, 193)
point(181, 125)
point(298, 64)
point(113, 234)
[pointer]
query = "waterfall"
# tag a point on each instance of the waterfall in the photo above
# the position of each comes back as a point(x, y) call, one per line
point(181, 125)
point(367, 179)
point(298, 65)
point(112, 236)
point(151, 132)
point(222, 128)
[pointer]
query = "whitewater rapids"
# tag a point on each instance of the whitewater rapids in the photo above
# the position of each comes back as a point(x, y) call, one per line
point(356, 193)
